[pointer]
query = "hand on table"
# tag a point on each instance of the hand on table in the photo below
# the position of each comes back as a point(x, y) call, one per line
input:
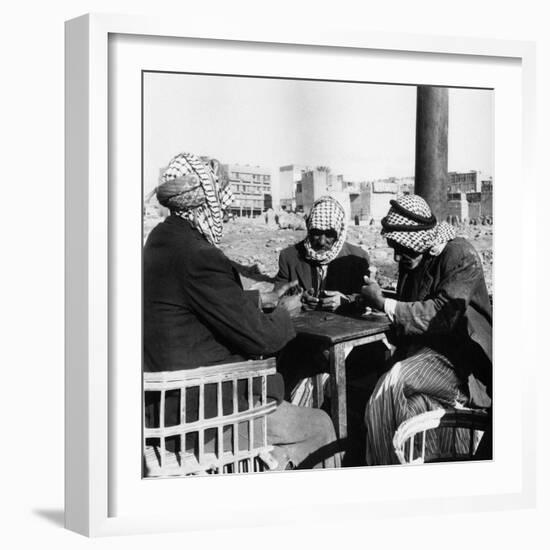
point(270, 299)
point(331, 300)
point(292, 304)
point(372, 294)
point(309, 300)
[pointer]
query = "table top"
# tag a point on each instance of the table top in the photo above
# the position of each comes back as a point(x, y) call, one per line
point(334, 328)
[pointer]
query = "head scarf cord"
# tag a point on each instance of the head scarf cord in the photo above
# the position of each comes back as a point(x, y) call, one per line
point(411, 223)
point(191, 189)
point(326, 213)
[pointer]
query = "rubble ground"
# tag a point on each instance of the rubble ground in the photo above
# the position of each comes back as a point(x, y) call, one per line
point(254, 248)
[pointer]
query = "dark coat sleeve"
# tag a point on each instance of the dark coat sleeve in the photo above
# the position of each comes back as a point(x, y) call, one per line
point(359, 269)
point(220, 302)
point(283, 275)
point(460, 274)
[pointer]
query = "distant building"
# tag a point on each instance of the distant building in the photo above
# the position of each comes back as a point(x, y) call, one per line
point(480, 205)
point(487, 198)
point(470, 206)
point(487, 201)
point(467, 182)
point(318, 182)
point(251, 187)
point(289, 177)
point(457, 206)
point(371, 200)
point(470, 195)
point(487, 186)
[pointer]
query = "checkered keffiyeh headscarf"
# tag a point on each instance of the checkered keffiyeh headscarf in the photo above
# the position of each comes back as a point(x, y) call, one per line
point(195, 190)
point(411, 223)
point(326, 213)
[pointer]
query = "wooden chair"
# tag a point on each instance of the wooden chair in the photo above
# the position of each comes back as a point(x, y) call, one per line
point(234, 440)
point(409, 441)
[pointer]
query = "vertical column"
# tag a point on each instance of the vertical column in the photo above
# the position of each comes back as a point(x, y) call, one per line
point(432, 122)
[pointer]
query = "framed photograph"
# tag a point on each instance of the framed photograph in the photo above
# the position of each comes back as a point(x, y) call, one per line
point(162, 123)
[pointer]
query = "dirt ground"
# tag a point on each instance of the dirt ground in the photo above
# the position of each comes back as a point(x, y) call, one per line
point(254, 247)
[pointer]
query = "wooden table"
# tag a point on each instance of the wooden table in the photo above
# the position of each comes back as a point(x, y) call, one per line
point(340, 334)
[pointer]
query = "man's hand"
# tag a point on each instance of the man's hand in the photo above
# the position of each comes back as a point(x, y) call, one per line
point(309, 300)
point(271, 299)
point(331, 300)
point(291, 289)
point(292, 304)
point(372, 294)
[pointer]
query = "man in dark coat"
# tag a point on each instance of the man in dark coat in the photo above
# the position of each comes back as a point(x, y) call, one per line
point(195, 312)
point(443, 325)
point(330, 272)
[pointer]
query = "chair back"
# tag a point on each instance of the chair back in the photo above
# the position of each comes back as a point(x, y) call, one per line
point(207, 420)
point(458, 432)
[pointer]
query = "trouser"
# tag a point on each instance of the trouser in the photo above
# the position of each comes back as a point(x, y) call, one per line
point(301, 437)
point(305, 435)
point(423, 382)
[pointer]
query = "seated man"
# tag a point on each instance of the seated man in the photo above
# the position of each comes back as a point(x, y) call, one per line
point(329, 269)
point(330, 273)
point(443, 324)
point(195, 312)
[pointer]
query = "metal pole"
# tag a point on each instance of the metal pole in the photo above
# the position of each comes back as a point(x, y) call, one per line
point(432, 122)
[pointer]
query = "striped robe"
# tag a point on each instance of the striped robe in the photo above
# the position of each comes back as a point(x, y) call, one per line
point(423, 382)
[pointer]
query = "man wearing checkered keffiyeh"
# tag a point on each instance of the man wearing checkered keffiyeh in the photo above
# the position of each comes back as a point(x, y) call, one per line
point(330, 273)
point(196, 314)
point(411, 223)
point(329, 270)
point(442, 318)
point(196, 191)
point(326, 214)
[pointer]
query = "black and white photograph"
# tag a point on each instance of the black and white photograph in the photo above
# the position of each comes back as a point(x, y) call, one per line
point(268, 294)
point(317, 274)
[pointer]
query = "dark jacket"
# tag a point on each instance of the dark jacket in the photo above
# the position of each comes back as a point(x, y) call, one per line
point(444, 303)
point(345, 273)
point(195, 312)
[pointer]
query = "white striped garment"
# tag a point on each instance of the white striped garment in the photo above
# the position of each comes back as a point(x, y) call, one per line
point(424, 382)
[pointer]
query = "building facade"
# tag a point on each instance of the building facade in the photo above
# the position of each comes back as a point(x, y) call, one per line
point(317, 183)
point(371, 200)
point(470, 206)
point(468, 182)
point(457, 207)
point(289, 177)
point(251, 187)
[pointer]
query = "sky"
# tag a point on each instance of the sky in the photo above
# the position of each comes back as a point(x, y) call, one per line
point(363, 131)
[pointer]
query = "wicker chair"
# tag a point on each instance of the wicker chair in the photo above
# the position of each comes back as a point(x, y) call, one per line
point(409, 441)
point(234, 440)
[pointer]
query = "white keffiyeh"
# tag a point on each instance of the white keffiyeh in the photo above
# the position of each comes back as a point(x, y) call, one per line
point(326, 214)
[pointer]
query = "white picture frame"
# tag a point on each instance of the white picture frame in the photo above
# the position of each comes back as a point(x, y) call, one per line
point(99, 499)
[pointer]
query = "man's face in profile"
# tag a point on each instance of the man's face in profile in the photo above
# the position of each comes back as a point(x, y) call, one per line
point(322, 240)
point(407, 258)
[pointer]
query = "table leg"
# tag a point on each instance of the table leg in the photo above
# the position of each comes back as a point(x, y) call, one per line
point(337, 362)
point(318, 394)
